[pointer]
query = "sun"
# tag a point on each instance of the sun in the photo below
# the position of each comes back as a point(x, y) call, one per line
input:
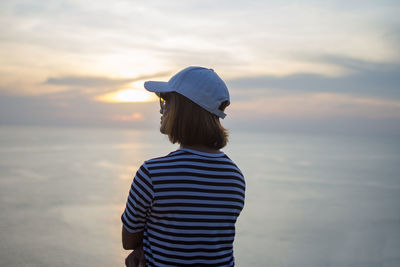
point(127, 95)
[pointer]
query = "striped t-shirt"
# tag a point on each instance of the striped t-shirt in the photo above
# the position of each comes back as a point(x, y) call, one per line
point(187, 204)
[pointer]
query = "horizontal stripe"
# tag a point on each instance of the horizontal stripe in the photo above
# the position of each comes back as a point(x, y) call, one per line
point(211, 198)
point(190, 243)
point(195, 173)
point(195, 167)
point(188, 184)
point(225, 183)
point(170, 263)
point(202, 190)
point(175, 257)
point(193, 222)
point(202, 227)
point(181, 158)
point(197, 250)
point(193, 215)
point(193, 162)
point(191, 235)
point(218, 206)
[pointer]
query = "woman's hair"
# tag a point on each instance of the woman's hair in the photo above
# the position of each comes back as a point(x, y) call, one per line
point(189, 124)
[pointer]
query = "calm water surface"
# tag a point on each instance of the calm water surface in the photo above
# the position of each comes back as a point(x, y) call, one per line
point(312, 200)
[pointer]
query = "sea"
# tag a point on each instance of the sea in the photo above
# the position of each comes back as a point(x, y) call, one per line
point(312, 200)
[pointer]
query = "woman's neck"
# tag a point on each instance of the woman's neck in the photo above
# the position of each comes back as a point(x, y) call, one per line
point(202, 149)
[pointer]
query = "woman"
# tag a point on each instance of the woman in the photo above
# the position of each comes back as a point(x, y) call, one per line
point(182, 207)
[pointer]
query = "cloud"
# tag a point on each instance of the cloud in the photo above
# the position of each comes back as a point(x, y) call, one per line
point(90, 81)
point(317, 106)
point(364, 79)
point(132, 117)
point(67, 87)
point(366, 98)
point(103, 38)
point(76, 111)
point(86, 81)
point(351, 64)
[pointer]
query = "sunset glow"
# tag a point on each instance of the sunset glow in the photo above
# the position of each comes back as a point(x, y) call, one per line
point(132, 117)
point(308, 63)
point(127, 95)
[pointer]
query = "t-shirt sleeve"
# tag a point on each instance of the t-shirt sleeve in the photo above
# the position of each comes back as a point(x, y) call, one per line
point(139, 201)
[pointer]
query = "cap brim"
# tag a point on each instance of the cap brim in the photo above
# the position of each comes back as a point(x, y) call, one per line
point(158, 87)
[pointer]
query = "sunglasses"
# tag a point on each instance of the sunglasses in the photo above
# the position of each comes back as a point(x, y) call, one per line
point(162, 104)
point(163, 101)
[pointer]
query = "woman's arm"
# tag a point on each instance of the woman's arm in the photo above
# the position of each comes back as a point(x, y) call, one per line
point(131, 241)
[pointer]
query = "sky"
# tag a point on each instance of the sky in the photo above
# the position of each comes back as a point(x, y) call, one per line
point(305, 66)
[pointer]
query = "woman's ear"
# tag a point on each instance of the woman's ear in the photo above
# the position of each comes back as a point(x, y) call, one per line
point(223, 105)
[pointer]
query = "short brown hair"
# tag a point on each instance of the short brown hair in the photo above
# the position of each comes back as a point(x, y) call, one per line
point(189, 124)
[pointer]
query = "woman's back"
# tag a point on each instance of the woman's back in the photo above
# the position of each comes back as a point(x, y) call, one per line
point(188, 203)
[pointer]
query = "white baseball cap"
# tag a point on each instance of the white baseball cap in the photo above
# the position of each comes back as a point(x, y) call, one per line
point(201, 85)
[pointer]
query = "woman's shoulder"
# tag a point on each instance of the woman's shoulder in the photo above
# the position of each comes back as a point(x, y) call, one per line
point(163, 158)
point(192, 157)
point(184, 154)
